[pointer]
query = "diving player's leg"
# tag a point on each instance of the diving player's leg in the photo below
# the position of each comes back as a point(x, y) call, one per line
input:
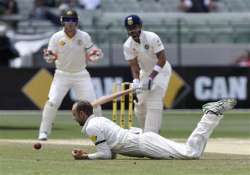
point(155, 146)
point(213, 113)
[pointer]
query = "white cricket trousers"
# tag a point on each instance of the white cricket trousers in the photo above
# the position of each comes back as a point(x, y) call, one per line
point(155, 146)
point(80, 83)
point(149, 108)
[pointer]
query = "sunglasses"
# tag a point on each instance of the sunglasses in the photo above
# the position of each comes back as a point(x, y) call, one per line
point(69, 19)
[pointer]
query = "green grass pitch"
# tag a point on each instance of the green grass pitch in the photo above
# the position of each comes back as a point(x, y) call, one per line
point(21, 159)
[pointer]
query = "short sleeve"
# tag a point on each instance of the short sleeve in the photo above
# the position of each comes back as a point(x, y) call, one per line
point(157, 44)
point(103, 151)
point(96, 135)
point(128, 53)
point(88, 41)
point(52, 44)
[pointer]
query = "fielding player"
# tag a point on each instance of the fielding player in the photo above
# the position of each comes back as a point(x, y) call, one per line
point(110, 139)
point(145, 54)
point(69, 49)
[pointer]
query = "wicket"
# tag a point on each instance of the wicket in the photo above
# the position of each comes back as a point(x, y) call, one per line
point(122, 116)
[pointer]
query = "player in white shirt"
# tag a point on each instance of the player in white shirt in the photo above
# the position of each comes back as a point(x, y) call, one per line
point(69, 49)
point(110, 139)
point(145, 54)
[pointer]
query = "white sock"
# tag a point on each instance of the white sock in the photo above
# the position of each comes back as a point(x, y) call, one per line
point(48, 117)
point(153, 120)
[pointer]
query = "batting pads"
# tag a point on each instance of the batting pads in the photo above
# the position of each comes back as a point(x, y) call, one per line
point(149, 108)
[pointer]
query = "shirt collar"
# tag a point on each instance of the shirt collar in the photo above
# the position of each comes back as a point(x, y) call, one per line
point(86, 123)
point(68, 36)
point(142, 35)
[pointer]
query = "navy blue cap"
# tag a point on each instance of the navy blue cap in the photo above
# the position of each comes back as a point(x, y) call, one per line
point(132, 20)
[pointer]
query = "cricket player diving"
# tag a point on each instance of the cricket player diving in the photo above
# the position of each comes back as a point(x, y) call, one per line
point(151, 71)
point(69, 48)
point(110, 139)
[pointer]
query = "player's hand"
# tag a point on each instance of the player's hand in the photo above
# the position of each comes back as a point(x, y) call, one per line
point(49, 56)
point(147, 83)
point(137, 86)
point(136, 83)
point(79, 154)
point(95, 55)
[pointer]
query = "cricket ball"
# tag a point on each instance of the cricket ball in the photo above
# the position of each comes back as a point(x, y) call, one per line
point(37, 146)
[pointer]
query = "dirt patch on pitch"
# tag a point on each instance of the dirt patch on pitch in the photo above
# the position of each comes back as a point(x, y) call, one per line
point(232, 146)
point(84, 142)
point(220, 145)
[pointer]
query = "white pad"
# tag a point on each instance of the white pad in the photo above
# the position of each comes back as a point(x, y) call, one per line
point(155, 98)
point(98, 111)
point(149, 108)
point(140, 113)
point(48, 117)
point(153, 120)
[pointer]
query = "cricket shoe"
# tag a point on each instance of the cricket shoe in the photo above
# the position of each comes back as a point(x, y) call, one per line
point(43, 136)
point(220, 106)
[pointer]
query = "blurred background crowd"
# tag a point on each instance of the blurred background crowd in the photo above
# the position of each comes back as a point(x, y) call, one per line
point(206, 41)
point(195, 32)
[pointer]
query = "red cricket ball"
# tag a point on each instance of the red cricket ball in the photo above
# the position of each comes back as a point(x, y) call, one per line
point(37, 146)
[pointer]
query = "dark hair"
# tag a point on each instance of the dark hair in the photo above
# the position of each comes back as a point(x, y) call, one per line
point(85, 106)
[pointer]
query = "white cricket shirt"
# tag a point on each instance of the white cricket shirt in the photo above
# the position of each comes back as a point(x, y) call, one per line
point(145, 51)
point(110, 138)
point(70, 51)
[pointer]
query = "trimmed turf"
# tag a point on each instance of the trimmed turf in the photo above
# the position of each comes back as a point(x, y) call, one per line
point(175, 125)
point(56, 160)
point(21, 159)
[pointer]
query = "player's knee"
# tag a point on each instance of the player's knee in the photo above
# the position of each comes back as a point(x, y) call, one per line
point(155, 104)
point(52, 104)
point(139, 109)
point(193, 152)
point(193, 156)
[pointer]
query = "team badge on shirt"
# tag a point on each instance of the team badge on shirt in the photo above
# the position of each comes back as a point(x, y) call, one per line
point(158, 42)
point(62, 43)
point(146, 46)
point(134, 51)
point(79, 42)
